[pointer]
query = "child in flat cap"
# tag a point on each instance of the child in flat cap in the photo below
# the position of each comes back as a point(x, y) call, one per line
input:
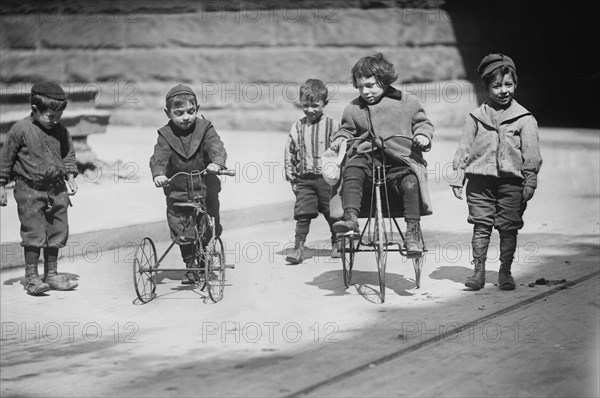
point(499, 155)
point(38, 153)
point(187, 143)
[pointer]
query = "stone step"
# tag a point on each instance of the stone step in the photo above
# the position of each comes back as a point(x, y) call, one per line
point(80, 122)
point(20, 93)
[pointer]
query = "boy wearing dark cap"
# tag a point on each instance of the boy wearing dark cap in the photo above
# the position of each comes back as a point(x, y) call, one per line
point(499, 155)
point(184, 144)
point(38, 153)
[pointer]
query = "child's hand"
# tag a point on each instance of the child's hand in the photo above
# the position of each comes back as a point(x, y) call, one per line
point(295, 187)
point(528, 193)
point(3, 200)
point(213, 168)
point(457, 191)
point(160, 181)
point(421, 141)
point(337, 143)
point(71, 185)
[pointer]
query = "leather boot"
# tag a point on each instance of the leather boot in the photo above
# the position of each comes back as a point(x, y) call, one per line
point(55, 281)
point(477, 280)
point(297, 255)
point(505, 279)
point(412, 239)
point(33, 283)
point(189, 278)
point(349, 223)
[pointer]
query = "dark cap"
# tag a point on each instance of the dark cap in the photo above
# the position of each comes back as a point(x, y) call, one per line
point(179, 89)
point(49, 89)
point(492, 62)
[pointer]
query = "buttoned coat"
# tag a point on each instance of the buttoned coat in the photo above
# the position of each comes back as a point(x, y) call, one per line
point(170, 157)
point(401, 114)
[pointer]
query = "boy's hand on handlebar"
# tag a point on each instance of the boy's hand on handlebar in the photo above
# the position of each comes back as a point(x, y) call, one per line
point(337, 143)
point(457, 191)
point(161, 181)
point(213, 168)
point(421, 141)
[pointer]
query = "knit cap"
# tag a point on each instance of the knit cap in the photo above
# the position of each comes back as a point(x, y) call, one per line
point(492, 62)
point(179, 89)
point(49, 89)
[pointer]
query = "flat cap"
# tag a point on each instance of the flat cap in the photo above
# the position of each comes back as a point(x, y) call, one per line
point(179, 89)
point(492, 62)
point(49, 89)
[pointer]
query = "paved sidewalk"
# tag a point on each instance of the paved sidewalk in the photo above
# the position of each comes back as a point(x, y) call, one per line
point(98, 340)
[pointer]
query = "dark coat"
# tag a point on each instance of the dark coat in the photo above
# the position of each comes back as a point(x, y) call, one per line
point(36, 154)
point(171, 156)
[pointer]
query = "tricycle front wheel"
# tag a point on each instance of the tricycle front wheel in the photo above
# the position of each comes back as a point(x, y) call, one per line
point(144, 274)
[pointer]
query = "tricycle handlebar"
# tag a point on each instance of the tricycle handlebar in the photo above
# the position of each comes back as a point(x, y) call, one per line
point(224, 172)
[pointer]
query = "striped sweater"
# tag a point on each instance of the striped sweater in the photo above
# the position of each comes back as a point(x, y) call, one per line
point(305, 146)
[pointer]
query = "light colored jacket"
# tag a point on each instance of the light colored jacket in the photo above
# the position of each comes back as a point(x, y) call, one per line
point(499, 145)
point(397, 113)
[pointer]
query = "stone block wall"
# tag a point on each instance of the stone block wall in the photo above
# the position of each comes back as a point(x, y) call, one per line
point(246, 59)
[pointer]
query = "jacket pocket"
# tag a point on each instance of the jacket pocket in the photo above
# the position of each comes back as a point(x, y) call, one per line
point(513, 138)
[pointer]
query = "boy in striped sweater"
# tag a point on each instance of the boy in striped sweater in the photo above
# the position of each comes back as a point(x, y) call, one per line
point(309, 138)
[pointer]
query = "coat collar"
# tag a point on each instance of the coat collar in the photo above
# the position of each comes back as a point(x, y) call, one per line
point(514, 111)
point(169, 133)
point(391, 92)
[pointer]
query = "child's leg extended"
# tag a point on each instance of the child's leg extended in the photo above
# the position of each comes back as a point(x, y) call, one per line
point(188, 254)
point(402, 182)
point(183, 233)
point(31, 207)
point(305, 209)
point(356, 171)
point(324, 194)
point(302, 228)
point(481, 199)
point(213, 206)
point(57, 222)
point(509, 219)
point(409, 193)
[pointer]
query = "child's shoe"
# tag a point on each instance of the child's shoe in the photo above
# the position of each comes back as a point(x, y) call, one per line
point(55, 281)
point(412, 239)
point(477, 280)
point(297, 255)
point(33, 283)
point(349, 223)
point(189, 278)
point(505, 279)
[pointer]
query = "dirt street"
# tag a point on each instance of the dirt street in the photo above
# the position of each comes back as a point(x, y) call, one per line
point(295, 330)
